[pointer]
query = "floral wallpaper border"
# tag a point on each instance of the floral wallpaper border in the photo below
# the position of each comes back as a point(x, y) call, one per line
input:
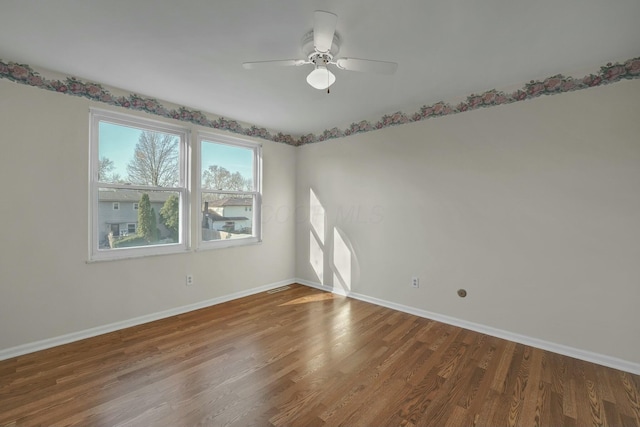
point(609, 73)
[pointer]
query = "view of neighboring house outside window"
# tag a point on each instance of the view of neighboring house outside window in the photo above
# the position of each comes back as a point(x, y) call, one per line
point(229, 215)
point(123, 222)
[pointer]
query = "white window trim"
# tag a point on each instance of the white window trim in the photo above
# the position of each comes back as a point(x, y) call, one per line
point(256, 220)
point(116, 206)
point(95, 254)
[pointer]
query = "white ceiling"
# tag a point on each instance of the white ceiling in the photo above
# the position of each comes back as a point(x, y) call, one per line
point(190, 52)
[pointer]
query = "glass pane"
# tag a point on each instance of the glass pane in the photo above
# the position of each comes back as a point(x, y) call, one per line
point(137, 156)
point(226, 167)
point(156, 221)
point(226, 216)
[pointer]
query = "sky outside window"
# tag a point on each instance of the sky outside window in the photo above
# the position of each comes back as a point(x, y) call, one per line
point(118, 143)
point(233, 159)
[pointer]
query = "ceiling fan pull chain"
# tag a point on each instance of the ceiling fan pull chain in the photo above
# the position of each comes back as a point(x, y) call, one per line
point(328, 82)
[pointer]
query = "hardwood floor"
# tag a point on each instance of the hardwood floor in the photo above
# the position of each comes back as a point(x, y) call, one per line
point(302, 357)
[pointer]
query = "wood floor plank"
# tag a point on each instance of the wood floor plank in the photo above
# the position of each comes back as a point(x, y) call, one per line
point(583, 399)
point(631, 387)
point(510, 384)
point(302, 357)
point(535, 396)
point(555, 416)
point(569, 400)
point(501, 375)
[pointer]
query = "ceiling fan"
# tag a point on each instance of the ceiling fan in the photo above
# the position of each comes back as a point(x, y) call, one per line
point(320, 47)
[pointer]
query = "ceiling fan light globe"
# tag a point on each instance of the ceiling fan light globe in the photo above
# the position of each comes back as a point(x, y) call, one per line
point(321, 78)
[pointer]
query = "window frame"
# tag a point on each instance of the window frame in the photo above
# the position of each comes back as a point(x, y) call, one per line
point(256, 211)
point(183, 189)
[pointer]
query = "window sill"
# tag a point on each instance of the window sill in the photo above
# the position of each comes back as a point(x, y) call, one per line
point(229, 243)
point(134, 253)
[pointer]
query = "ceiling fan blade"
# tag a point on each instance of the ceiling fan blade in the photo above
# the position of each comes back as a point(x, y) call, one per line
point(278, 63)
point(366, 65)
point(324, 27)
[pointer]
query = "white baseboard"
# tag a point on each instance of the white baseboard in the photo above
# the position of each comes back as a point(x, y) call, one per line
point(99, 330)
point(600, 359)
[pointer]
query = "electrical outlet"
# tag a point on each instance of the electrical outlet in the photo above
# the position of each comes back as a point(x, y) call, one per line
point(415, 282)
point(189, 280)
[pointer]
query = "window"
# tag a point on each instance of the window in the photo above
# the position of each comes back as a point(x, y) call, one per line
point(142, 162)
point(229, 191)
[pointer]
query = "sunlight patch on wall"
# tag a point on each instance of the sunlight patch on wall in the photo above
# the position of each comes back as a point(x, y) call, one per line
point(316, 257)
point(341, 261)
point(317, 220)
point(317, 215)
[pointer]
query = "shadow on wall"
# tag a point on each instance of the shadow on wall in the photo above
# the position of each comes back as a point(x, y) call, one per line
point(342, 259)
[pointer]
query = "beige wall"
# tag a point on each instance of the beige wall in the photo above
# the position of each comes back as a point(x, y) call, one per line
point(533, 207)
point(47, 289)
